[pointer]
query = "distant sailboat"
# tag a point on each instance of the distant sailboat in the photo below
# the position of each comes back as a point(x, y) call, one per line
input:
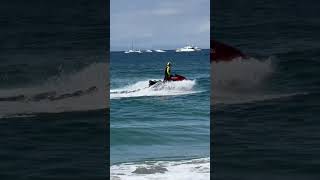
point(159, 50)
point(132, 50)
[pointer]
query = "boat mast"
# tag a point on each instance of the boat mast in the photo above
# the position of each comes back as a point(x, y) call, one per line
point(132, 45)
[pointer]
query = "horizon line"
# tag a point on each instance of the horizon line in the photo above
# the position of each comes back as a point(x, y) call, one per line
point(153, 50)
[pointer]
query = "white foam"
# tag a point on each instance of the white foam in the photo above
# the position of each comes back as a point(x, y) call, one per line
point(141, 88)
point(93, 75)
point(198, 169)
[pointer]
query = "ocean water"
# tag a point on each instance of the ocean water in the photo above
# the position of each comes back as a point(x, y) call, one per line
point(53, 94)
point(265, 109)
point(160, 132)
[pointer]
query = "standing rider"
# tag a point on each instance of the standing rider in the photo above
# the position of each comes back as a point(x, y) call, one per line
point(167, 72)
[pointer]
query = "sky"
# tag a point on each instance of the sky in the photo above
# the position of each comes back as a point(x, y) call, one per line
point(159, 24)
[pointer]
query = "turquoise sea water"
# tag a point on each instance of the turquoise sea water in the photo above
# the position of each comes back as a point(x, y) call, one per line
point(167, 124)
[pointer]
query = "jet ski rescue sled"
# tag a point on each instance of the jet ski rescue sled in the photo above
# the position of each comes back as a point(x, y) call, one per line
point(176, 77)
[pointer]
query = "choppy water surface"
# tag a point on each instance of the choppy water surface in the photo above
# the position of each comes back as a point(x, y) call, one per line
point(160, 132)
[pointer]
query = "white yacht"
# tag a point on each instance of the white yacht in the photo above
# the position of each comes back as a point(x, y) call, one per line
point(188, 48)
point(148, 50)
point(159, 50)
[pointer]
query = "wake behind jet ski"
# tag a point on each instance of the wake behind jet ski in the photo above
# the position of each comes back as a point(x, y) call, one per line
point(50, 95)
point(167, 76)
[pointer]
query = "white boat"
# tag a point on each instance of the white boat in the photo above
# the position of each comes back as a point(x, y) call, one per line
point(129, 51)
point(133, 50)
point(188, 48)
point(137, 51)
point(148, 50)
point(159, 50)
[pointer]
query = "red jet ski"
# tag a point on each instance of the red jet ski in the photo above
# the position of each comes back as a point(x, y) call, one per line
point(223, 52)
point(176, 77)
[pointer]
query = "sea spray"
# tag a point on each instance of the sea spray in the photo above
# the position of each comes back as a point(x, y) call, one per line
point(240, 80)
point(141, 88)
point(94, 75)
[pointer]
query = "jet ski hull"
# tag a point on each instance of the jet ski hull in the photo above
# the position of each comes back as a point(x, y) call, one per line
point(176, 77)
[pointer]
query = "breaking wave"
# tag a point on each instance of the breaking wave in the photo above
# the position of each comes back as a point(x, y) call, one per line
point(163, 170)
